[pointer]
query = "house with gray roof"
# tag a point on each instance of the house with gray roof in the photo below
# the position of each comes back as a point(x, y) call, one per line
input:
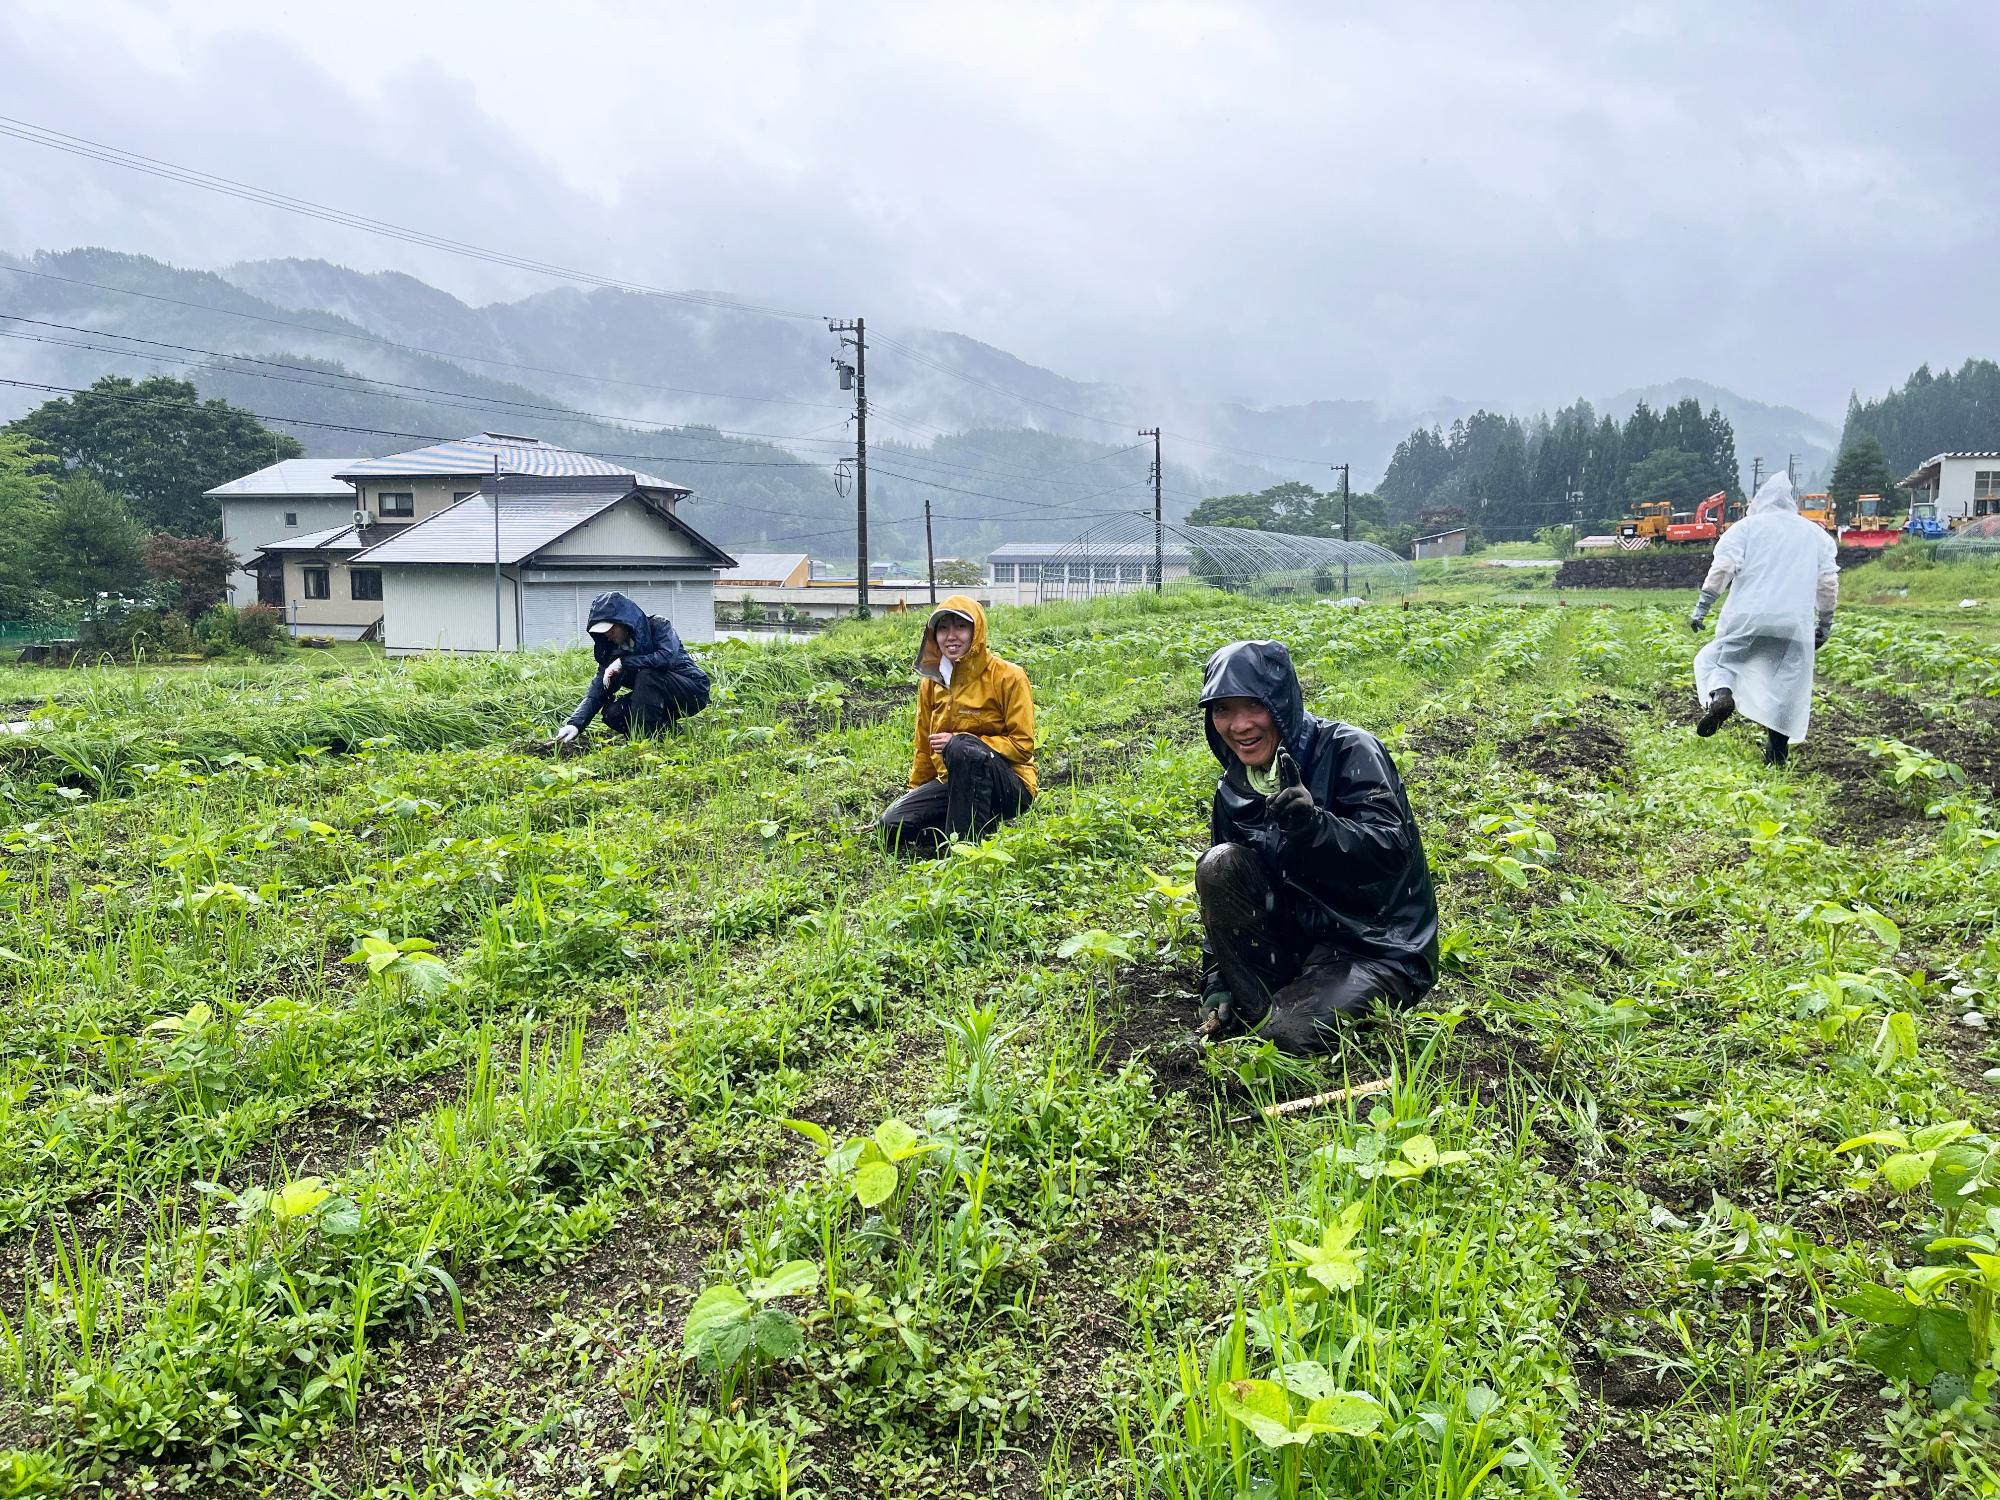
point(516, 562)
point(294, 498)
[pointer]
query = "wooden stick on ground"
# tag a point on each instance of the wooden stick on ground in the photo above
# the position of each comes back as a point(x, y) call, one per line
point(1315, 1101)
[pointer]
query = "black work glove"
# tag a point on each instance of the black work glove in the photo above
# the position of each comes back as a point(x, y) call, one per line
point(1292, 811)
point(1694, 623)
point(1822, 630)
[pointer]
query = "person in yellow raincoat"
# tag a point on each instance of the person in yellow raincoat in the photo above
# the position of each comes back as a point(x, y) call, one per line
point(974, 763)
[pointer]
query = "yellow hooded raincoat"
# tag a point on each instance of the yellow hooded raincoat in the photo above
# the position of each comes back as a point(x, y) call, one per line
point(987, 697)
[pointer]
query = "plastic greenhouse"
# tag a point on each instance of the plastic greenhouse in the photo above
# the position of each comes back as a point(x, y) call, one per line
point(1119, 555)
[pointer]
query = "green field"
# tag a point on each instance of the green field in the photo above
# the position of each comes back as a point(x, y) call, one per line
point(381, 1096)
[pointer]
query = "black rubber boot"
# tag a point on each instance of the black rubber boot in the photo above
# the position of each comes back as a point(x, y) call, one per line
point(1777, 749)
point(1720, 706)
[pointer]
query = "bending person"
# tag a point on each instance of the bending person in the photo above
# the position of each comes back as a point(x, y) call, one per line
point(1783, 577)
point(974, 764)
point(1315, 897)
point(646, 682)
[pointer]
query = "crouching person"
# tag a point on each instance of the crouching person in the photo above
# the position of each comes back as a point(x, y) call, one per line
point(646, 682)
point(974, 765)
point(1315, 898)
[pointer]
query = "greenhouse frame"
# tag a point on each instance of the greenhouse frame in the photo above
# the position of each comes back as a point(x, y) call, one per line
point(1120, 555)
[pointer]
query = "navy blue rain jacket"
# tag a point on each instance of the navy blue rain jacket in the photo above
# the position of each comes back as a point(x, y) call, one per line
point(655, 647)
point(1358, 872)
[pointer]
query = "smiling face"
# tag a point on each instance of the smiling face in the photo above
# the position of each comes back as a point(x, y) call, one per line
point(1247, 728)
point(954, 637)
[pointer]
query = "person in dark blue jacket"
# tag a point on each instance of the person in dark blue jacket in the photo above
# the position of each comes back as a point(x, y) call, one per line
point(646, 682)
point(1316, 902)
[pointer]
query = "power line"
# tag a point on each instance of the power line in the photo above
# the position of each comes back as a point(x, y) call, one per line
point(370, 338)
point(151, 166)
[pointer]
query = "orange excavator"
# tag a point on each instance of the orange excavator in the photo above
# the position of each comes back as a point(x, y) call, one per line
point(1658, 521)
point(1709, 521)
point(1817, 507)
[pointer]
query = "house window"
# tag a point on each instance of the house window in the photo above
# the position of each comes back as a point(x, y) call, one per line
point(291, 518)
point(1131, 572)
point(1107, 572)
point(1031, 572)
point(458, 495)
point(1003, 572)
point(1986, 492)
point(364, 583)
point(316, 580)
point(394, 503)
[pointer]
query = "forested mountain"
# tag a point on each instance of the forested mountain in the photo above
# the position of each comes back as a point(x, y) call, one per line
point(1510, 478)
point(743, 407)
point(1772, 433)
point(1931, 414)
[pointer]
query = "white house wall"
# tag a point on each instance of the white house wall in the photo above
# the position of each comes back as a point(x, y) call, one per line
point(1954, 497)
point(255, 522)
point(626, 531)
point(557, 604)
point(431, 607)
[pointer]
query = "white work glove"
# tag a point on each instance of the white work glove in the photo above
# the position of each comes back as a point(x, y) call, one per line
point(612, 670)
point(566, 735)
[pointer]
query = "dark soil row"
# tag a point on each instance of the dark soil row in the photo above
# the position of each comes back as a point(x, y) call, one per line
point(1661, 567)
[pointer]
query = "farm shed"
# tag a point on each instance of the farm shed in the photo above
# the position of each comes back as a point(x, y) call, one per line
point(1439, 544)
point(561, 541)
point(1960, 485)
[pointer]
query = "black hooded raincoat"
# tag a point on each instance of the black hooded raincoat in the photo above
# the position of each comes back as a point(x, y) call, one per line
point(655, 648)
point(1357, 877)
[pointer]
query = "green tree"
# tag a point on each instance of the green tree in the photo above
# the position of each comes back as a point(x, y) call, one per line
point(193, 570)
point(1862, 469)
point(87, 542)
point(960, 572)
point(1670, 474)
point(158, 445)
point(26, 481)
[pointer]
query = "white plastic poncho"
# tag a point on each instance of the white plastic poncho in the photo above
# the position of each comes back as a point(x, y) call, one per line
point(1781, 570)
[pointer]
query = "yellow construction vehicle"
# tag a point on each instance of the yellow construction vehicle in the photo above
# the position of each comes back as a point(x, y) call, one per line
point(1817, 507)
point(1648, 526)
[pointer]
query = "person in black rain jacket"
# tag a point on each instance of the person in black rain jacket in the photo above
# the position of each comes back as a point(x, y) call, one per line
point(646, 682)
point(1315, 898)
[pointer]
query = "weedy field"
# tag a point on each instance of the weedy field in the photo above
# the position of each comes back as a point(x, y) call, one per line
point(391, 1110)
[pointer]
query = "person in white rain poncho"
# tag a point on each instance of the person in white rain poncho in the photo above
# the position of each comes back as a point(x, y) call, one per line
point(1783, 579)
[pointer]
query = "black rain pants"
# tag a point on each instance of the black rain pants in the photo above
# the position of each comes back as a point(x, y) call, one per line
point(655, 703)
point(979, 791)
point(1283, 984)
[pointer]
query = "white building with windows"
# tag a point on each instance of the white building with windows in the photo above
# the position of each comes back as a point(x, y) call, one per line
point(1960, 485)
point(1028, 572)
point(295, 498)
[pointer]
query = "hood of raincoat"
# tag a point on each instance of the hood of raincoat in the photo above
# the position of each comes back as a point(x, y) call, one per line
point(1261, 670)
point(1775, 493)
point(615, 606)
point(929, 653)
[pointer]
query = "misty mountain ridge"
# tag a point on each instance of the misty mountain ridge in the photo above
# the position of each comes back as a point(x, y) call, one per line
point(1003, 443)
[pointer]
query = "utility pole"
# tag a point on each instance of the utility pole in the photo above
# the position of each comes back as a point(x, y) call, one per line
point(855, 377)
point(1791, 467)
point(930, 552)
point(1344, 528)
point(1756, 475)
point(1159, 519)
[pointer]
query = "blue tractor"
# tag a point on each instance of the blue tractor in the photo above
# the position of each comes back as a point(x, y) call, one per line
point(1924, 524)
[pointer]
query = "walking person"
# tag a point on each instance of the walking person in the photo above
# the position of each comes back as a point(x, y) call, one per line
point(646, 682)
point(1782, 574)
point(974, 761)
point(1316, 901)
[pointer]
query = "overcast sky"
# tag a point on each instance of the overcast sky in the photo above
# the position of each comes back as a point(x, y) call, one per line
point(1511, 203)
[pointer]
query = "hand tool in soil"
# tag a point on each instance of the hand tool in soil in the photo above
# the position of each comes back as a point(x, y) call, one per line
point(1317, 1101)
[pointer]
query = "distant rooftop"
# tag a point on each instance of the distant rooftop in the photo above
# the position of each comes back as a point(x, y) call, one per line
point(333, 539)
point(763, 565)
point(1083, 551)
point(533, 513)
point(293, 479)
point(473, 456)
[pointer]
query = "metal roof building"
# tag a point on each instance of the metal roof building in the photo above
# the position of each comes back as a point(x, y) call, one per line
point(279, 502)
point(1959, 485)
point(542, 546)
point(502, 452)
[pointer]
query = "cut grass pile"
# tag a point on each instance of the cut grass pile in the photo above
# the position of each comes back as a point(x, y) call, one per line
point(392, 1110)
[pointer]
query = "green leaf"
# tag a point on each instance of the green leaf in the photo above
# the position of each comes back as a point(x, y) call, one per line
point(777, 1334)
point(1906, 1169)
point(789, 1280)
point(716, 1310)
point(1946, 1337)
point(1926, 1280)
point(1878, 1304)
point(896, 1138)
point(1263, 1407)
point(1308, 1378)
point(1893, 1138)
point(814, 1133)
point(296, 1199)
point(874, 1183)
point(1350, 1412)
point(1421, 1152)
point(1897, 1353)
point(1933, 1136)
point(340, 1217)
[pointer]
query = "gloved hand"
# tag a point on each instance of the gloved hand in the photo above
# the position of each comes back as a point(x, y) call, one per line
point(567, 735)
point(1821, 630)
point(612, 670)
point(1694, 623)
point(1292, 810)
point(1215, 1013)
